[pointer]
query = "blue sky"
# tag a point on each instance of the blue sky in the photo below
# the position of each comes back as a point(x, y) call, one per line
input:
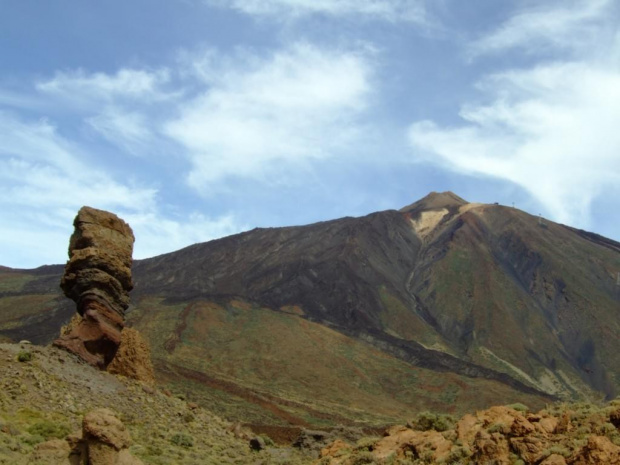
point(195, 119)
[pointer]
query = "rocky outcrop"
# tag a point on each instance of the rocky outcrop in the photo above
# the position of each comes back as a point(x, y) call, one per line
point(500, 435)
point(98, 278)
point(104, 440)
point(133, 357)
point(598, 450)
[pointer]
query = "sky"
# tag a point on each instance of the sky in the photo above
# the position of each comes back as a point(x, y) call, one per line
point(197, 119)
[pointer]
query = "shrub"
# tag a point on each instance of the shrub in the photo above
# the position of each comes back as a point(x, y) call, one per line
point(557, 449)
point(182, 440)
point(607, 428)
point(24, 356)
point(426, 421)
point(519, 407)
point(366, 443)
point(268, 440)
point(33, 439)
point(49, 430)
point(363, 458)
point(499, 428)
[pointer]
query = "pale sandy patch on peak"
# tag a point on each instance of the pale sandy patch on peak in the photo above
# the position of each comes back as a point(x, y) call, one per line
point(427, 221)
point(470, 206)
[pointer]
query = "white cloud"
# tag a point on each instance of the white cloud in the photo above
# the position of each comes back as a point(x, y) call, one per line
point(126, 83)
point(129, 130)
point(299, 104)
point(551, 128)
point(40, 169)
point(156, 235)
point(390, 10)
point(574, 25)
point(45, 181)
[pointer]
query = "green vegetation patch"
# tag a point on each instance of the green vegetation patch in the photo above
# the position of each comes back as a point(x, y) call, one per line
point(14, 282)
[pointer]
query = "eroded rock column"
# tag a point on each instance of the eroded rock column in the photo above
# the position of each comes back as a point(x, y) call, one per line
point(98, 279)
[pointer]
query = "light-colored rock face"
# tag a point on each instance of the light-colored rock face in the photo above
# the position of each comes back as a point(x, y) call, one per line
point(427, 221)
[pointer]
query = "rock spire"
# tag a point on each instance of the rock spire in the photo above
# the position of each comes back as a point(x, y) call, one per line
point(98, 279)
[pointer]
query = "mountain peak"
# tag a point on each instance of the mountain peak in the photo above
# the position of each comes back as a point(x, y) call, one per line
point(436, 200)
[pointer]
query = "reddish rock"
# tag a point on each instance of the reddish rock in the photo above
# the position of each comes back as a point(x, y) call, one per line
point(564, 424)
point(335, 452)
point(554, 459)
point(491, 448)
point(598, 450)
point(521, 427)
point(530, 449)
point(469, 426)
point(98, 278)
point(133, 358)
point(547, 425)
point(421, 443)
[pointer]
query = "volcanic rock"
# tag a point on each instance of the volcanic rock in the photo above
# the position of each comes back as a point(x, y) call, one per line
point(399, 440)
point(599, 449)
point(107, 439)
point(133, 357)
point(98, 278)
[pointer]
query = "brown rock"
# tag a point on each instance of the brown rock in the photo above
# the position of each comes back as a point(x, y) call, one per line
point(336, 452)
point(133, 357)
point(106, 439)
point(98, 278)
point(54, 452)
point(564, 424)
point(614, 418)
point(421, 443)
point(598, 450)
point(529, 448)
point(103, 426)
point(521, 427)
point(469, 426)
point(547, 425)
point(491, 448)
point(554, 459)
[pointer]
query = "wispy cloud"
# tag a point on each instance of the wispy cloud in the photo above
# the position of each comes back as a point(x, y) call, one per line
point(569, 26)
point(257, 113)
point(390, 10)
point(551, 128)
point(46, 179)
point(127, 129)
point(126, 83)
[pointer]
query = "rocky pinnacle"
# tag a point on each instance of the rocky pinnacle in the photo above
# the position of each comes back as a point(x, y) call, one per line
point(98, 279)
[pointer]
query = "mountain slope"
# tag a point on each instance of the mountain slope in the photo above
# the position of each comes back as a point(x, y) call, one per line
point(464, 304)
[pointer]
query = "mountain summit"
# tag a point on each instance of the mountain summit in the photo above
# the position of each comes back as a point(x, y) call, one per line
point(436, 200)
point(444, 305)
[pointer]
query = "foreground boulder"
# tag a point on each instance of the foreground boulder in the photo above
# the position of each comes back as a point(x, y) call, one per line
point(104, 440)
point(98, 278)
